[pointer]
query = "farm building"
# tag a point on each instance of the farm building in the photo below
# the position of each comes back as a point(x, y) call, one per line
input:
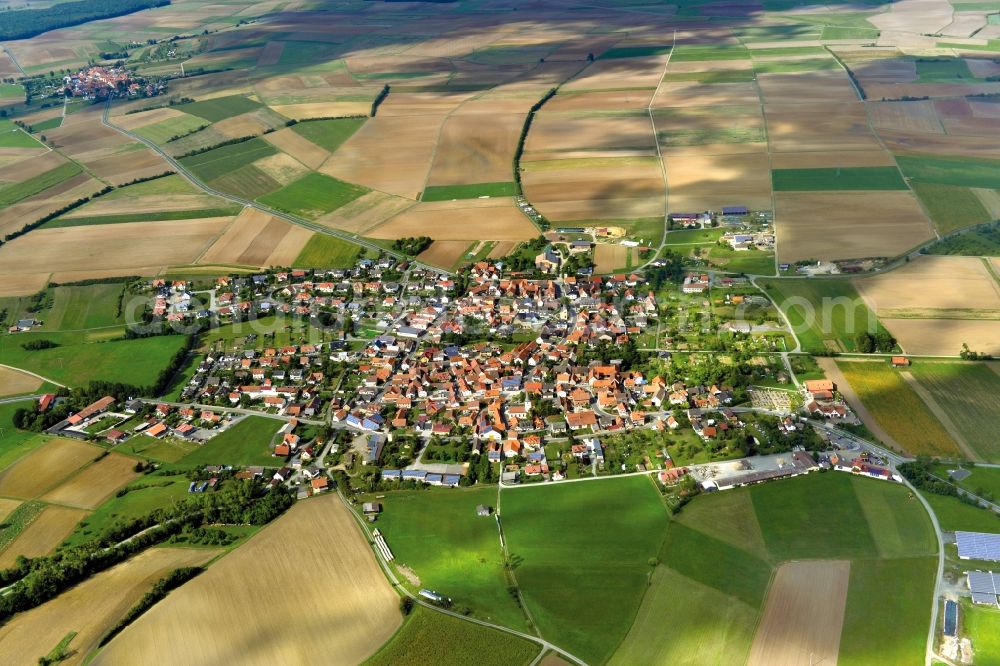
point(735, 210)
point(985, 586)
point(900, 362)
point(978, 546)
point(483, 510)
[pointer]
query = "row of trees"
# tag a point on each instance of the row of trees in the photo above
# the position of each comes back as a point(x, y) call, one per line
point(26, 23)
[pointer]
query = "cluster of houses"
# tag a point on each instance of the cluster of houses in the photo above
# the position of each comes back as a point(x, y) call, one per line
point(99, 82)
point(749, 240)
point(822, 399)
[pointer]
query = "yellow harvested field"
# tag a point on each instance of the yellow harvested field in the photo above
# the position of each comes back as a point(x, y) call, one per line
point(838, 158)
point(23, 285)
point(15, 382)
point(95, 483)
point(690, 93)
point(402, 170)
point(617, 74)
point(421, 103)
point(112, 247)
point(819, 127)
point(323, 109)
point(133, 121)
point(7, 506)
point(609, 258)
point(444, 253)
point(257, 239)
point(42, 534)
point(296, 145)
point(282, 168)
point(502, 249)
point(945, 337)
point(612, 100)
point(93, 607)
point(365, 212)
point(25, 169)
point(588, 189)
point(558, 132)
point(696, 181)
point(472, 219)
point(476, 148)
point(45, 467)
point(822, 86)
point(159, 202)
point(346, 612)
point(932, 283)
point(847, 225)
point(803, 616)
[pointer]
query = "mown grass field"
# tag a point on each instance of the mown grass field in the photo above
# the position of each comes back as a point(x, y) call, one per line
point(313, 195)
point(223, 161)
point(825, 314)
point(837, 178)
point(582, 557)
point(165, 130)
point(328, 134)
point(982, 625)
point(89, 306)
point(692, 53)
point(706, 595)
point(454, 551)
point(10, 194)
point(14, 137)
point(898, 409)
point(951, 207)
point(970, 395)
point(220, 108)
point(953, 514)
point(433, 638)
point(962, 171)
point(246, 443)
point(323, 251)
point(981, 480)
point(472, 191)
point(77, 359)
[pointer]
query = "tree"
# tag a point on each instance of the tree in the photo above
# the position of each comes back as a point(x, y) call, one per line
point(885, 342)
point(865, 343)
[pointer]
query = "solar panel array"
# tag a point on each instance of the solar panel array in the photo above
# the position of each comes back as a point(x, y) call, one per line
point(978, 545)
point(983, 598)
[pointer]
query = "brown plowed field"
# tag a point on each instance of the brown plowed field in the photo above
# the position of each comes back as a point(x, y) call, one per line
point(803, 616)
point(468, 220)
point(240, 611)
point(476, 148)
point(13, 382)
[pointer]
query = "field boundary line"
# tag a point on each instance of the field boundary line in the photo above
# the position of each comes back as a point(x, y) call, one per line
point(941, 414)
point(33, 374)
point(402, 590)
point(659, 154)
point(315, 227)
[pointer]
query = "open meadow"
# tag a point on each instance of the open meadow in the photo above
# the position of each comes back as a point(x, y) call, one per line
point(218, 617)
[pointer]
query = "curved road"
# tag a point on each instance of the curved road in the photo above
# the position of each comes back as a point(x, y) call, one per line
point(294, 219)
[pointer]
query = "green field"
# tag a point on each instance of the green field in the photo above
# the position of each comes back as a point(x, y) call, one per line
point(313, 195)
point(751, 262)
point(434, 638)
point(943, 70)
point(982, 625)
point(953, 514)
point(82, 357)
point(10, 194)
point(454, 551)
point(837, 178)
point(246, 443)
point(582, 554)
point(220, 108)
point(898, 409)
point(790, 66)
point(951, 207)
point(51, 123)
point(323, 251)
point(172, 184)
point(125, 218)
point(888, 610)
point(970, 395)
point(727, 76)
point(825, 314)
point(165, 130)
point(165, 450)
point(687, 53)
point(982, 480)
point(962, 171)
point(705, 598)
point(15, 443)
point(788, 51)
point(472, 191)
point(247, 181)
point(635, 52)
point(223, 161)
point(161, 493)
point(89, 306)
point(15, 137)
point(328, 134)
point(698, 137)
point(982, 241)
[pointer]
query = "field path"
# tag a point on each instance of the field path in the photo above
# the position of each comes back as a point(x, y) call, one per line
point(831, 371)
point(941, 415)
point(294, 219)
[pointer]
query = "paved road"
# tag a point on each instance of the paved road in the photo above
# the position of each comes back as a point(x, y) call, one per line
point(236, 410)
point(20, 398)
point(294, 219)
point(419, 600)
